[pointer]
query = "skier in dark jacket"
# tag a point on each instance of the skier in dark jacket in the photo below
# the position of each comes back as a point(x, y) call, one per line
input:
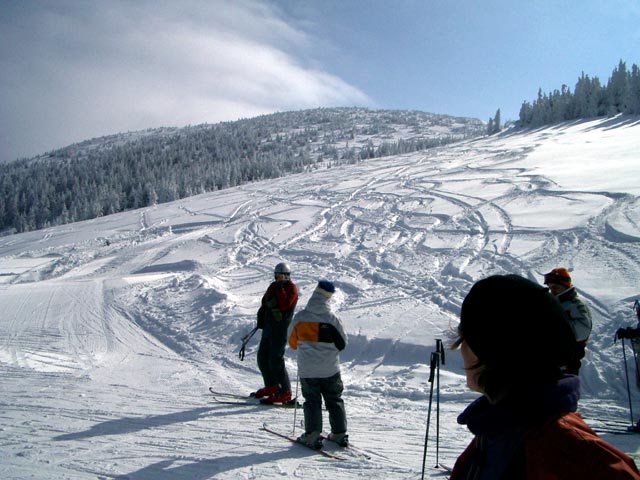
point(515, 341)
point(633, 334)
point(578, 314)
point(274, 317)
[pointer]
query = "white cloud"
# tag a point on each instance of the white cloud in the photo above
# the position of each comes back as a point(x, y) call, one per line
point(75, 69)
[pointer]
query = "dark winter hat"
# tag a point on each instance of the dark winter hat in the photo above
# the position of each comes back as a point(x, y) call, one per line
point(326, 287)
point(516, 328)
point(560, 276)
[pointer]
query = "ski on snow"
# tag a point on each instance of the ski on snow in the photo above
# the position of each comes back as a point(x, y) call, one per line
point(229, 395)
point(244, 400)
point(293, 439)
point(351, 447)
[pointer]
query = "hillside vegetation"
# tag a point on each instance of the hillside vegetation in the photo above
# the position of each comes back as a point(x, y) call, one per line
point(131, 170)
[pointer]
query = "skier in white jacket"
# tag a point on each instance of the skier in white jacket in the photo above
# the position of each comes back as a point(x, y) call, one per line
point(319, 336)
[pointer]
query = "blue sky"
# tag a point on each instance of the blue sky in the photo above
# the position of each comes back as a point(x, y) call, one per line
point(72, 70)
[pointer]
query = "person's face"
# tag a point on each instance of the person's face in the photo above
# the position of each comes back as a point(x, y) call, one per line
point(280, 277)
point(556, 289)
point(470, 361)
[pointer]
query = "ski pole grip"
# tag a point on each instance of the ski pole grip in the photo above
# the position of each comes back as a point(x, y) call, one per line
point(432, 366)
point(440, 350)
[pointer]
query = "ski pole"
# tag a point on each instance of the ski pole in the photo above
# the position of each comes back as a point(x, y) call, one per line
point(440, 356)
point(626, 372)
point(432, 367)
point(635, 359)
point(245, 340)
point(295, 410)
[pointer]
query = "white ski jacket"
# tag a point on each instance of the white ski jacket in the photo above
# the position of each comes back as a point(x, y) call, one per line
point(318, 336)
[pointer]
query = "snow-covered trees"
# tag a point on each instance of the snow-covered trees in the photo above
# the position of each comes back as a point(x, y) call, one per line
point(494, 125)
point(127, 171)
point(589, 99)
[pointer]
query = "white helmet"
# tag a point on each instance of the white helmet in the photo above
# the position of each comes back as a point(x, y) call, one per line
point(282, 268)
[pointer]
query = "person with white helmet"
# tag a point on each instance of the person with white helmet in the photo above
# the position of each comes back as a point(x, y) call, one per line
point(274, 316)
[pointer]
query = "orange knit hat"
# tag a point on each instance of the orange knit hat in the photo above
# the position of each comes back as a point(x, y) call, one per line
point(559, 276)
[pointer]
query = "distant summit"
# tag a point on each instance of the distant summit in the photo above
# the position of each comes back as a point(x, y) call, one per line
point(130, 170)
point(337, 130)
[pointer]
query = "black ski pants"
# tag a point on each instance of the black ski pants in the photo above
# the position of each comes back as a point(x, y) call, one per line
point(271, 354)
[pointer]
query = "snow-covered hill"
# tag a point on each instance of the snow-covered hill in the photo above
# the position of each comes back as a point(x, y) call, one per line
point(112, 329)
point(132, 170)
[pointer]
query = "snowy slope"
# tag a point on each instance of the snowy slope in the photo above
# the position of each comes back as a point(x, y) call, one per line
point(112, 329)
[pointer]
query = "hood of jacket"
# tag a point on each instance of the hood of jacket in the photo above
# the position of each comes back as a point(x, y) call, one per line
point(318, 304)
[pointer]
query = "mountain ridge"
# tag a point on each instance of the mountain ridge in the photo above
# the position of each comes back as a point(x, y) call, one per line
point(130, 170)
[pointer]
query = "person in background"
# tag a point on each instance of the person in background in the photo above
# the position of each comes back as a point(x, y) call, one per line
point(633, 334)
point(318, 335)
point(274, 316)
point(514, 340)
point(577, 313)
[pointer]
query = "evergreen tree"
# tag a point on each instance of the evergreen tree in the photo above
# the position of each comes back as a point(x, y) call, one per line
point(618, 89)
point(497, 122)
point(633, 106)
point(590, 99)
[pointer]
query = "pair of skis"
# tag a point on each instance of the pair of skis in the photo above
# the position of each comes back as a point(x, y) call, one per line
point(322, 451)
point(244, 400)
point(293, 439)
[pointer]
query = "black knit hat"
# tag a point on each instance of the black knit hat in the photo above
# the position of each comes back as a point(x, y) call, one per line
point(516, 328)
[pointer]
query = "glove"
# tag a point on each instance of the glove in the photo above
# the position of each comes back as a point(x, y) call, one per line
point(625, 333)
point(620, 333)
point(277, 314)
point(272, 303)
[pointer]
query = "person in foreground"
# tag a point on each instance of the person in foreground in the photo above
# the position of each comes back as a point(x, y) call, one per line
point(274, 316)
point(515, 342)
point(319, 337)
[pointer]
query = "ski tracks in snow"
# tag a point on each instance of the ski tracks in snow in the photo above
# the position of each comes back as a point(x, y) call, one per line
point(108, 353)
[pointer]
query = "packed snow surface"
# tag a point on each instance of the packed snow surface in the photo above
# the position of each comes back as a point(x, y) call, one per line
point(113, 329)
